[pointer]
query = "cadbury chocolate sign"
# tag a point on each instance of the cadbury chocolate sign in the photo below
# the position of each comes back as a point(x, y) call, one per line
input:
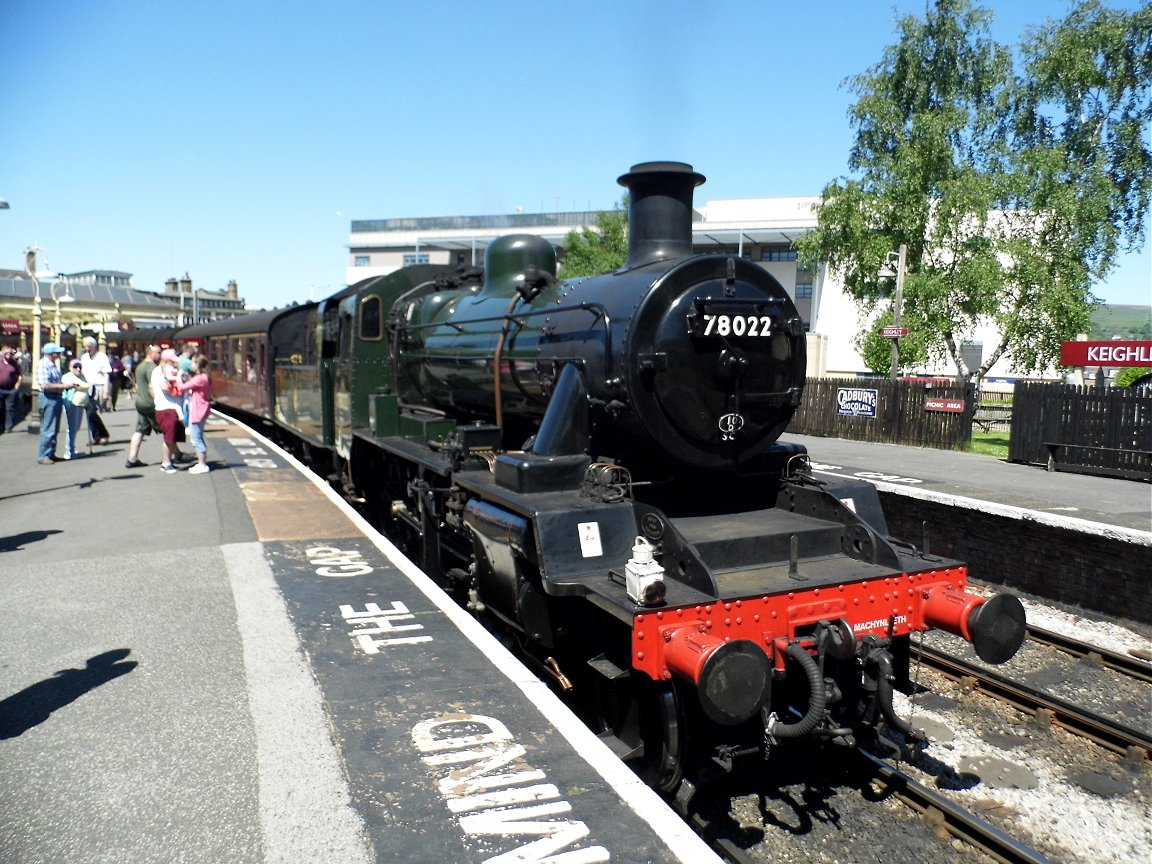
point(1116, 352)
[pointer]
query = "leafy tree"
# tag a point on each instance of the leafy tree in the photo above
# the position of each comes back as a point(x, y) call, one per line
point(598, 250)
point(1130, 375)
point(1013, 192)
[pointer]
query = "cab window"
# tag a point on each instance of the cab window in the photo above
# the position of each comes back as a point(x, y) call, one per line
point(371, 319)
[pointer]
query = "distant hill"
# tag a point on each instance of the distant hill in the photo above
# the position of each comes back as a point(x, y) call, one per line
point(1126, 322)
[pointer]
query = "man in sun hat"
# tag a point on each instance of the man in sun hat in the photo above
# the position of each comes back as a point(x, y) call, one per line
point(51, 402)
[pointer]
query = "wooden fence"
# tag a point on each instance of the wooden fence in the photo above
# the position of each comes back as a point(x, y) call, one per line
point(893, 412)
point(1092, 430)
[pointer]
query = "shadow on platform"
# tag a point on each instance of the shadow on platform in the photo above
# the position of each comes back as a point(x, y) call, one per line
point(35, 704)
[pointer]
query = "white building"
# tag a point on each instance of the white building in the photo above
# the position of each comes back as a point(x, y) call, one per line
point(759, 229)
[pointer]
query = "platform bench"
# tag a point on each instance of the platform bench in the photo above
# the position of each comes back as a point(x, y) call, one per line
point(986, 416)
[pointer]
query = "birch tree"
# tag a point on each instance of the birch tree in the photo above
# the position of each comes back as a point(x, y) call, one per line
point(1014, 181)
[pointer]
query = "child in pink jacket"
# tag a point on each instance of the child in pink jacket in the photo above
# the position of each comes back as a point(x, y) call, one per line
point(199, 404)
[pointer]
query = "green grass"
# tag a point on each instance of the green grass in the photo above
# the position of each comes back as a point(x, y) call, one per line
point(989, 444)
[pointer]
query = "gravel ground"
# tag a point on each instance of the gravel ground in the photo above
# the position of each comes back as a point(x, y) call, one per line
point(1057, 792)
point(807, 809)
point(1067, 796)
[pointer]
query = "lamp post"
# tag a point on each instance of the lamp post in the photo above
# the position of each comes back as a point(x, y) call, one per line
point(886, 272)
point(67, 298)
point(37, 312)
point(186, 288)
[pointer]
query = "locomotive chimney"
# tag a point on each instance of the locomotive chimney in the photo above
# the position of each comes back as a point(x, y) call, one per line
point(660, 212)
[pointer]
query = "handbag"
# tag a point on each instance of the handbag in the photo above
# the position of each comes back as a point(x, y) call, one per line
point(79, 398)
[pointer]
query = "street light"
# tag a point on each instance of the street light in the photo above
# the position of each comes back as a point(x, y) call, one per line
point(886, 272)
point(30, 268)
point(67, 298)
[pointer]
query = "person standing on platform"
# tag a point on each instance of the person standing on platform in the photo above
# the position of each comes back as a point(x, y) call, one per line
point(187, 359)
point(199, 391)
point(115, 379)
point(10, 378)
point(129, 361)
point(75, 405)
point(97, 372)
point(52, 388)
point(169, 406)
point(145, 408)
point(187, 369)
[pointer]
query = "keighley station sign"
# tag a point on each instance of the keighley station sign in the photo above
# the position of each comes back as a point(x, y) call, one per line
point(1116, 352)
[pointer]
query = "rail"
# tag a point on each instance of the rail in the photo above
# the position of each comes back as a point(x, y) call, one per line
point(954, 819)
point(1105, 732)
point(1134, 667)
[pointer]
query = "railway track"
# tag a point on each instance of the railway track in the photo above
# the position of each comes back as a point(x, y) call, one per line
point(888, 781)
point(1102, 730)
point(1127, 664)
point(721, 845)
point(960, 823)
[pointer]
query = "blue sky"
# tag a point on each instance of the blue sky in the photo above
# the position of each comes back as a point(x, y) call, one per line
point(238, 140)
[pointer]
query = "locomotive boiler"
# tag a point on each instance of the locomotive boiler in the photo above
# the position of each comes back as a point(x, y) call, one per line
point(690, 361)
point(594, 463)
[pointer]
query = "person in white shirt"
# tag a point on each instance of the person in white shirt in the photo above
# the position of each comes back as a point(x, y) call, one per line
point(97, 371)
point(169, 406)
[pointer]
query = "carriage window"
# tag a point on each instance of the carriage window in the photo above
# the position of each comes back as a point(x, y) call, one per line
point(371, 325)
point(251, 370)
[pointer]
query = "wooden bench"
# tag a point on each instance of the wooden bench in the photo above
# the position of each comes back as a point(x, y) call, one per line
point(988, 414)
point(1143, 459)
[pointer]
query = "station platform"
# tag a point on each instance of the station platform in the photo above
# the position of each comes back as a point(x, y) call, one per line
point(233, 666)
point(1073, 501)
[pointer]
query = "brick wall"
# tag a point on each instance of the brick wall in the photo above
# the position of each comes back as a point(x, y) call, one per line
point(1101, 573)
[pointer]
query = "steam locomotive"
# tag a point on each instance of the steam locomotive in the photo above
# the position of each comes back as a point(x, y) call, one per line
point(594, 464)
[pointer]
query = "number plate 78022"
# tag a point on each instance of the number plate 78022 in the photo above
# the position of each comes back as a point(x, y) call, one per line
point(738, 321)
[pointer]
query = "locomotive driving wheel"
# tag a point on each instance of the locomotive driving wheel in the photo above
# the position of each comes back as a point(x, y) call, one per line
point(645, 725)
point(665, 740)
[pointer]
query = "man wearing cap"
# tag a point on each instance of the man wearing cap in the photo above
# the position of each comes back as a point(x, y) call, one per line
point(51, 402)
point(10, 375)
